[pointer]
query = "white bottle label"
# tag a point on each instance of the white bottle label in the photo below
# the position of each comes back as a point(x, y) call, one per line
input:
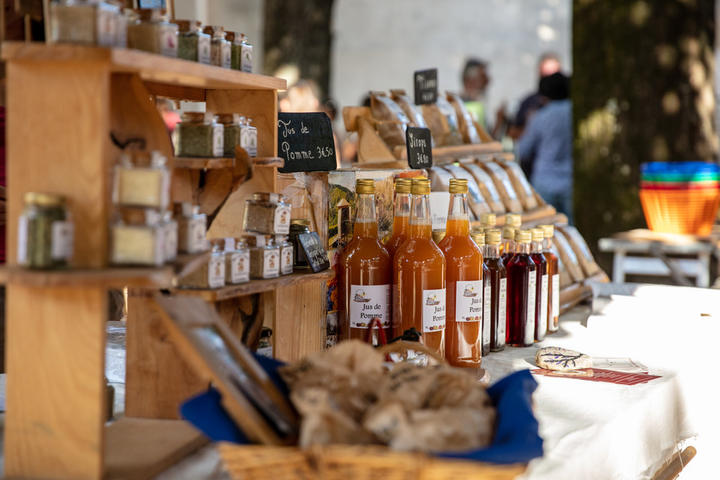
point(368, 302)
point(555, 295)
point(530, 324)
point(197, 231)
point(63, 234)
point(170, 241)
point(168, 42)
point(246, 58)
point(204, 49)
point(248, 139)
point(469, 301)
point(218, 140)
point(22, 240)
point(226, 53)
point(106, 27)
point(543, 304)
point(433, 313)
point(240, 267)
point(502, 309)
point(487, 313)
point(216, 271)
point(271, 263)
point(286, 260)
point(282, 220)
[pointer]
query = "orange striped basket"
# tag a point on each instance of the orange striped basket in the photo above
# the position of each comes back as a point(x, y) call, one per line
point(690, 211)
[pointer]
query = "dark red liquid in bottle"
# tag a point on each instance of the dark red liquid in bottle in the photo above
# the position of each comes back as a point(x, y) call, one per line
point(540, 293)
point(498, 303)
point(522, 276)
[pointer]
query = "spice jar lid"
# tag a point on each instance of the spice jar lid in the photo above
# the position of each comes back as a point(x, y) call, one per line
point(258, 240)
point(228, 118)
point(230, 36)
point(300, 221)
point(188, 25)
point(195, 117)
point(492, 237)
point(151, 14)
point(43, 199)
point(402, 185)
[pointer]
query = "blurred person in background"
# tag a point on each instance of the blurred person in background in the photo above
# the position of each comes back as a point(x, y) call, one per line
point(546, 144)
point(475, 81)
point(548, 64)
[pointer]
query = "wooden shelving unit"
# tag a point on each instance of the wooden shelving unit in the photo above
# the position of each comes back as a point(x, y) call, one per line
point(73, 97)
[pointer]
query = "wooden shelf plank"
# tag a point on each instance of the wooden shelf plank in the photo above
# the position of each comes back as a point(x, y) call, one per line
point(141, 448)
point(201, 163)
point(254, 286)
point(151, 67)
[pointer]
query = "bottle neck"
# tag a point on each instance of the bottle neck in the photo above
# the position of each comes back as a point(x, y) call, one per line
point(401, 206)
point(509, 246)
point(492, 251)
point(458, 220)
point(365, 220)
point(420, 220)
point(536, 247)
point(523, 248)
point(547, 245)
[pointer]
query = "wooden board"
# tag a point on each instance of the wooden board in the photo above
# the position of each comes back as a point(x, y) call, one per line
point(160, 277)
point(55, 382)
point(203, 163)
point(255, 286)
point(299, 326)
point(151, 67)
point(140, 449)
point(157, 379)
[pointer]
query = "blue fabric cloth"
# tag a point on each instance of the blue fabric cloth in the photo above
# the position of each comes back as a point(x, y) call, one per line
point(546, 144)
point(516, 437)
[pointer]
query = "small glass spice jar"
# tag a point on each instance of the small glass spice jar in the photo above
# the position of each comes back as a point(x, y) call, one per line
point(264, 256)
point(137, 186)
point(267, 213)
point(199, 135)
point(237, 261)
point(192, 228)
point(246, 54)
point(45, 232)
point(248, 136)
point(137, 239)
point(235, 49)
point(210, 274)
point(299, 226)
point(286, 254)
point(84, 22)
point(220, 48)
point(193, 44)
point(170, 237)
point(232, 124)
point(151, 32)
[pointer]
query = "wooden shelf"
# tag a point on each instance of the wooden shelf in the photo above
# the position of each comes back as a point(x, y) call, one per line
point(151, 67)
point(254, 286)
point(141, 448)
point(202, 163)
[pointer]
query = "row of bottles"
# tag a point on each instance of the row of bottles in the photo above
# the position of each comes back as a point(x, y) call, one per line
point(472, 293)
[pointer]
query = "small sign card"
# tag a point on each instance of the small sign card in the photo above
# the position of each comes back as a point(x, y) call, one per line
point(419, 147)
point(426, 86)
point(306, 142)
point(316, 255)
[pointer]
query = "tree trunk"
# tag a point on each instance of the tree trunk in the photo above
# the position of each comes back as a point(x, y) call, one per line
point(642, 90)
point(297, 33)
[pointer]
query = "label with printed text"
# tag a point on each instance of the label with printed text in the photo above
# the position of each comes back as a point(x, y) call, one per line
point(368, 302)
point(469, 301)
point(433, 310)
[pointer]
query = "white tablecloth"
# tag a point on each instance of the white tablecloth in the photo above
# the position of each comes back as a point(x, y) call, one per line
point(594, 430)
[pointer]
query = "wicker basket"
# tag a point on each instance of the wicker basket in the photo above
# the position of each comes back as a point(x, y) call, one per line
point(690, 211)
point(352, 462)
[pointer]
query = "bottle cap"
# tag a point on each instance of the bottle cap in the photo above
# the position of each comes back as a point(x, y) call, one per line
point(420, 186)
point(300, 221)
point(492, 237)
point(513, 219)
point(365, 185)
point(402, 185)
point(523, 236)
point(458, 185)
point(438, 235)
point(548, 230)
point(488, 219)
point(508, 233)
point(537, 234)
point(478, 237)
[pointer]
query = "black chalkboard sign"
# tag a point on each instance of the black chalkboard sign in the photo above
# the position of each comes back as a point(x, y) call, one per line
point(314, 252)
point(419, 147)
point(426, 86)
point(305, 141)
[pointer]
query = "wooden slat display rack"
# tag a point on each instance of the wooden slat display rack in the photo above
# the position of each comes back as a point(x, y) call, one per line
point(63, 101)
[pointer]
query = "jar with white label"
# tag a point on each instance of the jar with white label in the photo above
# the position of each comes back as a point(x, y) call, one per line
point(220, 47)
point(138, 239)
point(237, 261)
point(84, 22)
point(267, 213)
point(151, 32)
point(45, 232)
point(264, 256)
point(286, 254)
point(192, 228)
point(142, 186)
point(246, 54)
point(232, 128)
point(248, 137)
point(193, 44)
point(170, 237)
point(210, 274)
point(200, 135)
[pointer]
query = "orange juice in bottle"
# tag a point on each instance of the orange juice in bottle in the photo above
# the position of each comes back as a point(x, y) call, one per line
point(464, 283)
point(420, 275)
point(401, 215)
point(365, 272)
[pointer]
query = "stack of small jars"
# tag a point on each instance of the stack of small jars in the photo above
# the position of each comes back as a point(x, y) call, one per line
point(267, 223)
point(204, 134)
point(108, 24)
